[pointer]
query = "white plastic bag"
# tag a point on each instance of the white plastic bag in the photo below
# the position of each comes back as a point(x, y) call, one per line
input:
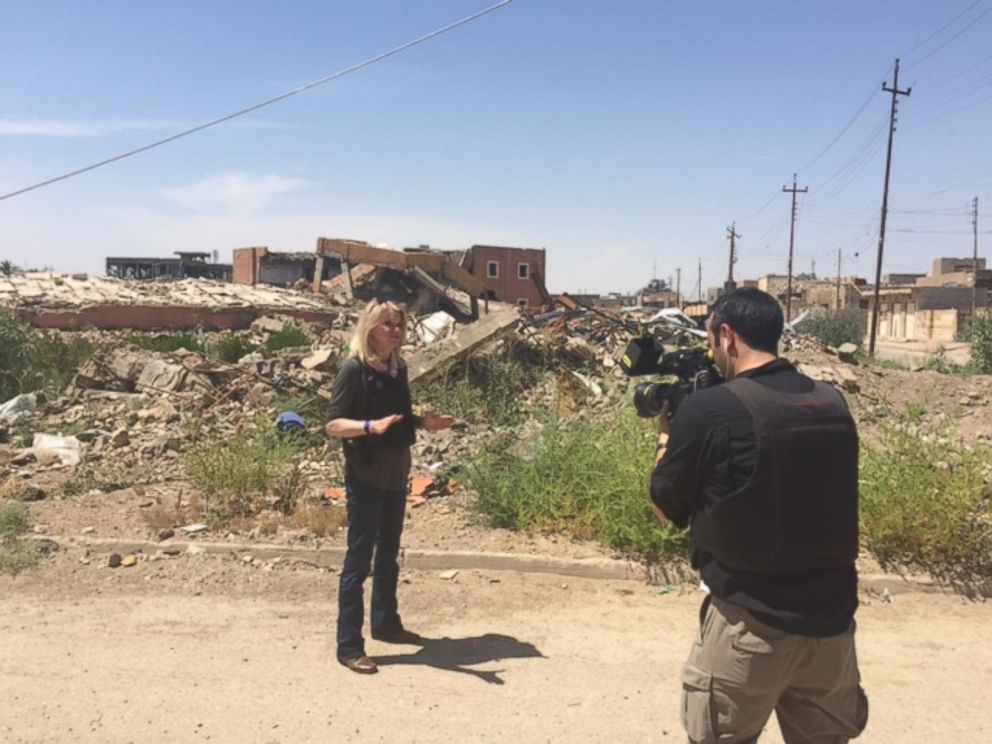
point(48, 448)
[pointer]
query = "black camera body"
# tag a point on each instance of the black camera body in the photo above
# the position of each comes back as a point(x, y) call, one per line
point(692, 366)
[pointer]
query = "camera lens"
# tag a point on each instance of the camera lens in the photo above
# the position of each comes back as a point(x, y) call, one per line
point(648, 397)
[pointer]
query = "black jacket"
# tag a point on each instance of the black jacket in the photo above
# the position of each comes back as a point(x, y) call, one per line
point(713, 457)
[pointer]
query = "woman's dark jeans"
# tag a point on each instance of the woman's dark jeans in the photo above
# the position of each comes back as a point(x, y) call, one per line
point(375, 520)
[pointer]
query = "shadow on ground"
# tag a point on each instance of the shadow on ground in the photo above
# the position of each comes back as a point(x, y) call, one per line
point(458, 654)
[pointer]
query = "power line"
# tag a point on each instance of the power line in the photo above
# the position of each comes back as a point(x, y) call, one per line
point(975, 20)
point(263, 104)
point(942, 28)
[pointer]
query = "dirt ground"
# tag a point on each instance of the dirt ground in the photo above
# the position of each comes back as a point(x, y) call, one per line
point(211, 648)
point(190, 647)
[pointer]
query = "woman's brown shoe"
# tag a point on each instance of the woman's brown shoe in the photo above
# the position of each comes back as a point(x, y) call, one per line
point(360, 665)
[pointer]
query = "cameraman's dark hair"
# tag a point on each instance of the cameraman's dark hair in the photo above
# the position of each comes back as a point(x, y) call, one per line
point(755, 315)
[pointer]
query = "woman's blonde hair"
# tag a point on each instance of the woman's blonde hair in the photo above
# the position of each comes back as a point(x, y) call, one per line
point(371, 317)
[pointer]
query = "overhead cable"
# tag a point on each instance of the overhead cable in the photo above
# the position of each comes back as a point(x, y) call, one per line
point(263, 104)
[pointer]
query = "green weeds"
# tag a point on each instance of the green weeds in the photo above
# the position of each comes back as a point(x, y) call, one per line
point(587, 478)
point(32, 360)
point(240, 474)
point(168, 343)
point(15, 553)
point(925, 502)
point(836, 327)
point(488, 387)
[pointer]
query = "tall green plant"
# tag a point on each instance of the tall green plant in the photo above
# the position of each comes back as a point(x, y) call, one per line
point(15, 553)
point(236, 472)
point(586, 477)
point(835, 327)
point(980, 335)
point(36, 360)
point(925, 502)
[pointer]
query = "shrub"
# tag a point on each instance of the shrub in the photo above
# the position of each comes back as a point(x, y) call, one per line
point(979, 333)
point(36, 360)
point(836, 327)
point(925, 502)
point(15, 356)
point(231, 347)
point(168, 343)
point(587, 478)
point(288, 337)
point(237, 473)
point(487, 387)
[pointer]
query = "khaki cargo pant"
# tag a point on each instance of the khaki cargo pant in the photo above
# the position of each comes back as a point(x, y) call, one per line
point(740, 670)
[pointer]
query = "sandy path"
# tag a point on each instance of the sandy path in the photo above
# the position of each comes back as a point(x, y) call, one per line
point(113, 657)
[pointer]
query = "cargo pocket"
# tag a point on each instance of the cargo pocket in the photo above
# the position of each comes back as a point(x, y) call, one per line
point(697, 705)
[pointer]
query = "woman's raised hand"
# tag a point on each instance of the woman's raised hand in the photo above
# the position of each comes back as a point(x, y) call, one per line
point(381, 426)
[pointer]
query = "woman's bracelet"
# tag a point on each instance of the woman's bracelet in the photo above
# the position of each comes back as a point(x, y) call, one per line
point(367, 426)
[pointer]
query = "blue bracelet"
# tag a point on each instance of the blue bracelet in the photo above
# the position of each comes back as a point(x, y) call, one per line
point(367, 426)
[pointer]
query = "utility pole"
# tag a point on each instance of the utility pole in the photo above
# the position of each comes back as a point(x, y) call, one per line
point(792, 239)
point(678, 286)
point(733, 235)
point(974, 260)
point(894, 90)
point(699, 280)
point(838, 278)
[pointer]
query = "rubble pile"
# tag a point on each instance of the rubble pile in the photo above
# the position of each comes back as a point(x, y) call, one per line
point(131, 413)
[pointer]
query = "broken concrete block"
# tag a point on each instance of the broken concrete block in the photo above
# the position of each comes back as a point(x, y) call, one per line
point(267, 325)
point(846, 379)
point(120, 438)
point(846, 353)
point(319, 359)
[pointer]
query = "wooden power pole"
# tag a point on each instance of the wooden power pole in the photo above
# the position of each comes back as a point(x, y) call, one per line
point(974, 259)
point(838, 278)
point(894, 90)
point(792, 239)
point(733, 235)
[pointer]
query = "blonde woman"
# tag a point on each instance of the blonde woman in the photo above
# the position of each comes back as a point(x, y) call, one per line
point(371, 412)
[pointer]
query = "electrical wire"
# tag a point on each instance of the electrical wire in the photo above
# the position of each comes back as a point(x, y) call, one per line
point(941, 29)
point(952, 38)
point(263, 104)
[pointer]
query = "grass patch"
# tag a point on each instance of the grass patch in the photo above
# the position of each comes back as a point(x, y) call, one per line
point(242, 474)
point(231, 347)
point(925, 502)
point(15, 553)
point(865, 359)
point(587, 478)
point(168, 343)
point(289, 337)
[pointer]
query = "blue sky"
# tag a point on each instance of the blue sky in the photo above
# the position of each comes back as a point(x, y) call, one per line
point(624, 137)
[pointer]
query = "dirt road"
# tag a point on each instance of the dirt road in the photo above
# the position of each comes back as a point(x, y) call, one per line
point(216, 650)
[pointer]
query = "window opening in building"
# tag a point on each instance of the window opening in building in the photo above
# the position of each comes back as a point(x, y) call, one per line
point(523, 271)
point(492, 269)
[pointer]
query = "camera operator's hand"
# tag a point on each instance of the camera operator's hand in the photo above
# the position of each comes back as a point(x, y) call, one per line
point(665, 418)
point(664, 430)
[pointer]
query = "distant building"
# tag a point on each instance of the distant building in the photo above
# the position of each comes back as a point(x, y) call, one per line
point(514, 275)
point(261, 266)
point(937, 307)
point(889, 280)
point(189, 265)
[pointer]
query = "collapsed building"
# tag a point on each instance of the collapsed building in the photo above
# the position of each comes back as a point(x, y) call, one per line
point(189, 265)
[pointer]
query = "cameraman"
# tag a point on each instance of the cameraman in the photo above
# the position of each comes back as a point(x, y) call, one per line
point(764, 469)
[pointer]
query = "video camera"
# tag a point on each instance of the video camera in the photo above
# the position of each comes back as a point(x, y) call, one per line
point(691, 365)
